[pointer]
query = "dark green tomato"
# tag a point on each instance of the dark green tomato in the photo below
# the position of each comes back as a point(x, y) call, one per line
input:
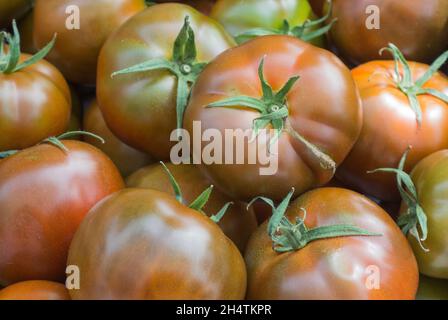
point(238, 222)
point(430, 177)
point(240, 16)
point(418, 28)
point(13, 9)
point(140, 108)
point(432, 289)
point(144, 244)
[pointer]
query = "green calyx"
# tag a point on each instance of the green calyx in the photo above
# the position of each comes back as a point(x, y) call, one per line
point(307, 31)
point(56, 141)
point(9, 61)
point(287, 236)
point(275, 113)
point(199, 203)
point(183, 65)
point(414, 222)
point(413, 89)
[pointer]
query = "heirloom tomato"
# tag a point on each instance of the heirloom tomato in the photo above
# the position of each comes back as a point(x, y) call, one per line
point(407, 106)
point(247, 19)
point(432, 289)
point(82, 27)
point(205, 6)
point(26, 33)
point(238, 223)
point(304, 93)
point(317, 6)
point(332, 243)
point(146, 244)
point(126, 159)
point(418, 28)
point(13, 9)
point(35, 290)
point(34, 96)
point(45, 192)
point(161, 51)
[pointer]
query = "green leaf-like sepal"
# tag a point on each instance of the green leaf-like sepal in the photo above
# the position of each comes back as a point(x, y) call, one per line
point(415, 220)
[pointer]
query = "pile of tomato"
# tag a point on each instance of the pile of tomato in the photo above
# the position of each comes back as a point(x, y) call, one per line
point(97, 96)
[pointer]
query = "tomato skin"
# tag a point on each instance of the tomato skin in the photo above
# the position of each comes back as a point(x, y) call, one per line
point(241, 16)
point(44, 195)
point(432, 289)
point(35, 104)
point(205, 6)
point(26, 33)
point(330, 119)
point(12, 9)
point(126, 159)
point(334, 268)
point(76, 50)
point(238, 222)
point(418, 28)
point(317, 6)
point(144, 244)
point(35, 290)
point(430, 176)
point(140, 108)
point(390, 126)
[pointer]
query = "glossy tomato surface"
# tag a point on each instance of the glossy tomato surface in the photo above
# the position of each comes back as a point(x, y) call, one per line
point(144, 244)
point(35, 290)
point(390, 126)
point(238, 222)
point(78, 45)
point(140, 108)
point(35, 103)
point(430, 177)
point(418, 28)
point(205, 6)
point(44, 194)
point(361, 267)
point(12, 9)
point(240, 16)
point(323, 105)
point(126, 159)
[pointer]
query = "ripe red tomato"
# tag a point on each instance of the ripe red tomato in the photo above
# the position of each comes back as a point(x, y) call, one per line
point(78, 46)
point(144, 244)
point(347, 267)
point(391, 124)
point(34, 99)
point(418, 28)
point(126, 159)
point(323, 115)
point(238, 223)
point(140, 108)
point(13, 9)
point(45, 192)
point(35, 290)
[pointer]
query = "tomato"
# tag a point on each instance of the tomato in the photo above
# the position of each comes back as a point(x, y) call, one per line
point(26, 34)
point(430, 178)
point(78, 44)
point(432, 289)
point(323, 115)
point(380, 266)
point(418, 28)
point(317, 6)
point(45, 192)
point(205, 6)
point(13, 9)
point(391, 124)
point(144, 244)
point(34, 100)
point(35, 290)
point(140, 108)
point(126, 159)
point(238, 223)
point(239, 17)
